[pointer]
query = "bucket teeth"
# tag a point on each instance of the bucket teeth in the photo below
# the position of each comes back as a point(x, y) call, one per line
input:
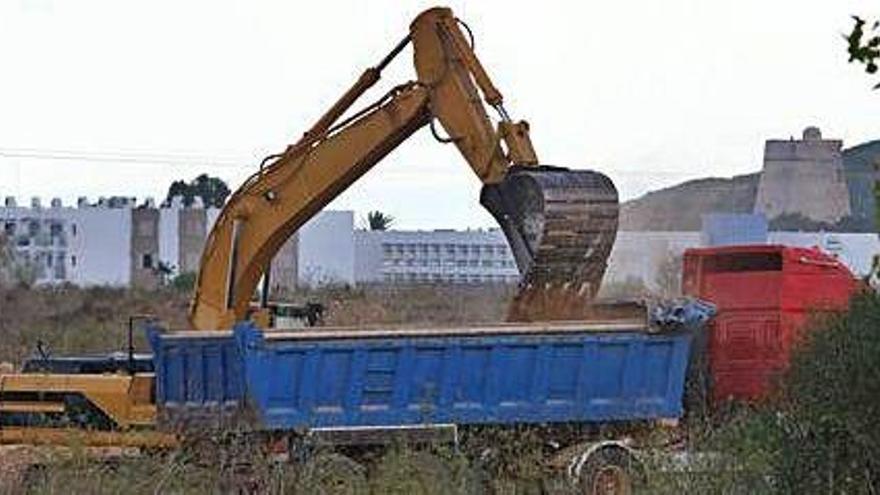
point(561, 225)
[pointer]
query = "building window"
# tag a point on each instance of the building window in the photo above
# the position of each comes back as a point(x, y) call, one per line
point(60, 272)
point(9, 229)
point(147, 261)
point(73, 260)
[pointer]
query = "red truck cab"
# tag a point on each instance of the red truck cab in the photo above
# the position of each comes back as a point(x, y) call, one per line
point(765, 296)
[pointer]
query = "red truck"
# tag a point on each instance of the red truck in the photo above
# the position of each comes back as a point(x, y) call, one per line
point(765, 296)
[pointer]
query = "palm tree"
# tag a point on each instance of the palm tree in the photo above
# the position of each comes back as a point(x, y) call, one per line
point(376, 220)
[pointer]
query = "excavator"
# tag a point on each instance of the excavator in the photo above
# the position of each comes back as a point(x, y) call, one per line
point(559, 223)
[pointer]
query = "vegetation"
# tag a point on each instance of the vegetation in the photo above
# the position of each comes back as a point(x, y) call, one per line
point(15, 271)
point(71, 319)
point(668, 279)
point(827, 431)
point(212, 190)
point(376, 220)
point(184, 282)
point(863, 45)
point(817, 435)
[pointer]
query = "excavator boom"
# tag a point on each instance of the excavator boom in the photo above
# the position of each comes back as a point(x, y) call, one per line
point(560, 223)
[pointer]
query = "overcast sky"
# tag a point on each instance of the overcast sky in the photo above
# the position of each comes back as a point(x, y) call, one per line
point(649, 92)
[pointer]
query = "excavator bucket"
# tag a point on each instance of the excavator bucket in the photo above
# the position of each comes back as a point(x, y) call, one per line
point(560, 225)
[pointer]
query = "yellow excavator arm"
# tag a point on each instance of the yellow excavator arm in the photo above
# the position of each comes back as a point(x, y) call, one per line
point(335, 152)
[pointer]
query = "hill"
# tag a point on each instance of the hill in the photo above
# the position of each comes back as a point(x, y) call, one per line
point(681, 207)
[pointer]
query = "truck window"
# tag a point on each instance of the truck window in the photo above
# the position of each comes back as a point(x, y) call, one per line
point(744, 262)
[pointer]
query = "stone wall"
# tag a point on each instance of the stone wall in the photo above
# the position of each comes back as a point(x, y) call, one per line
point(145, 248)
point(804, 176)
point(191, 233)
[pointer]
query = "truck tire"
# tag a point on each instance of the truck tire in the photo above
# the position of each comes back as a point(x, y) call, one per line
point(611, 470)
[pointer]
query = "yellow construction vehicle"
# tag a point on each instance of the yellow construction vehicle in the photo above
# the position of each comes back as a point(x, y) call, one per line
point(560, 223)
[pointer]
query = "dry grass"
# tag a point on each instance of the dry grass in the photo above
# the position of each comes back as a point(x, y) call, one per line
point(70, 319)
point(416, 304)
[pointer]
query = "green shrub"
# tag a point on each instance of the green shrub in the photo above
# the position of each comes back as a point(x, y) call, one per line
point(819, 433)
point(831, 402)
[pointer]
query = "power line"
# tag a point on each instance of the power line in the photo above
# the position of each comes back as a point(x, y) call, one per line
point(196, 160)
point(125, 157)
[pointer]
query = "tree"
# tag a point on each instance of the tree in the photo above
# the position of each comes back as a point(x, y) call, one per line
point(668, 278)
point(376, 220)
point(15, 271)
point(184, 282)
point(212, 190)
point(864, 47)
point(164, 271)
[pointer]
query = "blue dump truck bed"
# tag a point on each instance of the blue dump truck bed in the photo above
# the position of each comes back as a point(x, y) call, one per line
point(499, 374)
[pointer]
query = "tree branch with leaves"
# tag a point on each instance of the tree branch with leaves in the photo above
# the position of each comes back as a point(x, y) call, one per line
point(376, 220)
point(864, 45)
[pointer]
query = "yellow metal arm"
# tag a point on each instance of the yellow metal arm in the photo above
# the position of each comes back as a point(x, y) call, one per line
point(274, 203)
point(264, 212)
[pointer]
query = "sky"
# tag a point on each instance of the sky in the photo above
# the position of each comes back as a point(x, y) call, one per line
point(649, 92)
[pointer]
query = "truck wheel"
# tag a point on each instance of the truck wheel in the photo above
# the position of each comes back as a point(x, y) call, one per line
point(611, 471)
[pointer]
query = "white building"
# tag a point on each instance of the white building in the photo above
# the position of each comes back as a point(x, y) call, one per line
point(450, 256)
point(114, 242)
point(86, 245)
point(107, 242)
point(322, 252)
